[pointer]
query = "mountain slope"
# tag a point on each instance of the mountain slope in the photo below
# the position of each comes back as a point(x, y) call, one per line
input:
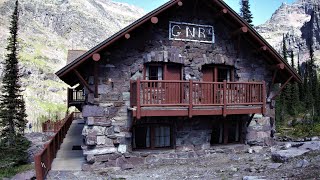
point(294, 21)
point(47, 29)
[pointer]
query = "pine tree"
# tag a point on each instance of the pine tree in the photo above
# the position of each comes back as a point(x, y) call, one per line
point(282, 100)
point(245, 11)
point(12, 106)
point(294, 103)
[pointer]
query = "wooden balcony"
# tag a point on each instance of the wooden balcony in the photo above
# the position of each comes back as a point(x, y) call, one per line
point(76, 98)
point(194, 98)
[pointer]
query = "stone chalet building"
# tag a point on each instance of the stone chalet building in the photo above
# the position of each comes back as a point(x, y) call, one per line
point(185, 77)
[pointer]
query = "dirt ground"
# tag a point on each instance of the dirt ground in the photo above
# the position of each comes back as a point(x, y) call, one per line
point(228, 165)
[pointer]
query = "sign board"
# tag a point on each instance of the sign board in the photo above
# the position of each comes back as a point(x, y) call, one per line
point(182, 31)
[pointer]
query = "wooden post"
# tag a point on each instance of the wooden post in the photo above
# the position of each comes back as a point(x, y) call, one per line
point(49, 156)
point(225, 131)
point(190, 98)
point(224, 98)
point(127, 36)
point(138, 99)
point(264, 97)
point(38, 167)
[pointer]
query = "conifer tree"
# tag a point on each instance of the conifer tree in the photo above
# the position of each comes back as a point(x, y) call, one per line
point(282, 105)
point(12, 106)
point(294, 100)
point(245, 11)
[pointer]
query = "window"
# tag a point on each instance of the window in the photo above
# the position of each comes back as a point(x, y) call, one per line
point(154, 72)
point(223, 74)
point(217, 73)
point(152, 136)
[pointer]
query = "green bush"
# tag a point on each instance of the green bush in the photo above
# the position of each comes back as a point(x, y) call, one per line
point(16, 154)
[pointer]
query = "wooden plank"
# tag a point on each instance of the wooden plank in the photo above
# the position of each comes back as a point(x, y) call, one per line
point(83, 82)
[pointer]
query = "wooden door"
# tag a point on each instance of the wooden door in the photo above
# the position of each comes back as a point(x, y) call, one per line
point(208, 90)
point(173, 89)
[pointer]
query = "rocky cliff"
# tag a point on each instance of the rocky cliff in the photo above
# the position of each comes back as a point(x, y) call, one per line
point(47, 29)
point(298, 22)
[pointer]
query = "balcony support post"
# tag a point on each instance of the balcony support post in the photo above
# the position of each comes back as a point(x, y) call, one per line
point(138, 99)
point(264, 97)
point(224, 98)
point(190, 98)
point(83, 82)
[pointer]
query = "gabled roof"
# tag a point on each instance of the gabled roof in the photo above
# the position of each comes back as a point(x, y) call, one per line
point(275, 56)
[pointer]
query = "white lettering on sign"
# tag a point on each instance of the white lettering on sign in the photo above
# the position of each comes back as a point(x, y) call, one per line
point(182, 31)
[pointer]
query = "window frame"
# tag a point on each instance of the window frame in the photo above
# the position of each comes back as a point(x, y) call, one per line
point(152, 140)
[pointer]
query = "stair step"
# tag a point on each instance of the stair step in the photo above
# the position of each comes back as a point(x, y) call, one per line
point(65, 164)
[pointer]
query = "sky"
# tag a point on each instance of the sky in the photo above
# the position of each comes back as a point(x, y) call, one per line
point(261, 9)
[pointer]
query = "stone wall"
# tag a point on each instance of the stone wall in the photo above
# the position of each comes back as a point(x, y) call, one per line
point(107, 133)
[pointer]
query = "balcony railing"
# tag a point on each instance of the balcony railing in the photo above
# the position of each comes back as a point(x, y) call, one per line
point(75, 95)
point(193, 94)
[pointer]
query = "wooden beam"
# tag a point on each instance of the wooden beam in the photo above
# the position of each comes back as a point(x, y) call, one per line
point(239, 31)
point(83, 82)
point(127, 36)
point(220, 13)
point(154, 20)
point(96, 56)
point(283, 86)
point(180, 3)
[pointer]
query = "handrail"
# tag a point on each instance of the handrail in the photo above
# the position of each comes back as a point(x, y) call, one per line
point(44, 159)
point(190, 94)
point(52, 126)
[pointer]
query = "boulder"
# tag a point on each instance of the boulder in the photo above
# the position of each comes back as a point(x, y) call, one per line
point(274, 165)
point(284, 155)
point(302, 163)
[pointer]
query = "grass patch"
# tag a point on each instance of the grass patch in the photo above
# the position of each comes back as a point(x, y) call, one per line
point(8, 172)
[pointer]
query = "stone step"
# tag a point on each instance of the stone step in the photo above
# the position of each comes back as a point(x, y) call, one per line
point(66, 164)
point(70, 154)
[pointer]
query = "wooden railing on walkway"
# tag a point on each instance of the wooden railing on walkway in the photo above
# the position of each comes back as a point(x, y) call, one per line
point(162, 93)
point(52, 126)
point(44, 159)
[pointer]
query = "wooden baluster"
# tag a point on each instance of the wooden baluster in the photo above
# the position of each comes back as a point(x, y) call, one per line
point(224, 98)
point(190, 98)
